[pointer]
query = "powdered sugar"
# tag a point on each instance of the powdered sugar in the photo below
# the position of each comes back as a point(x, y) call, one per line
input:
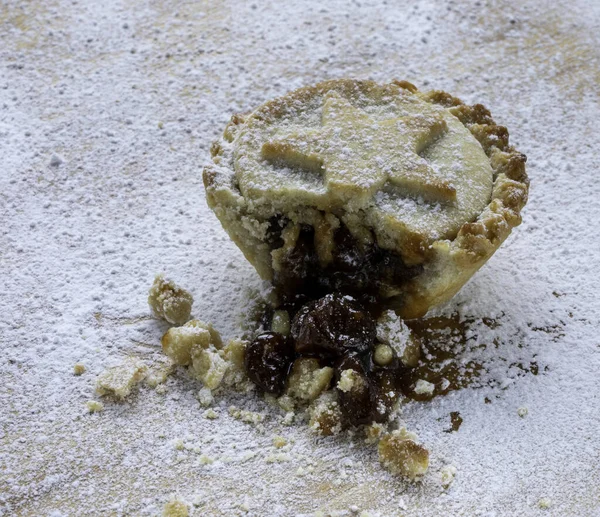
point(107, 111)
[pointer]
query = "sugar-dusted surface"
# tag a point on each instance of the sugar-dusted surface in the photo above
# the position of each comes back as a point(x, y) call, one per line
point(106, 113)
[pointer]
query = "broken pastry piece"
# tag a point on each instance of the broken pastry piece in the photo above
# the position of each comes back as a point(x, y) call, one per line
point(364, 188)
point(118, 381)
point(169, 301)
point(199, 346)
point(325, 415)
point(400, 453)
point(177, 343)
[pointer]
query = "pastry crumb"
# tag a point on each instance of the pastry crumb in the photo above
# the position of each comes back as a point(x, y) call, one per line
point(118, 381)
point(286, 403)
point(175, 508)
point(177, 342)
point(325, 415)
point(279, 441)
point(544, 503)
point(78, 369)
point(281, 322)
point(205, 397)
point(205, 460)
point(161, 389)
point(235, 376)
point(374, 432)
point(383, 355)
point(392, 331)
point(248, 417)
point(169, 301)
point(307, 380)
point(280, 457)
point(401, 455)
point(448, 473)
point(158, 372)
point(208, 366)
point(348, 379)
point(423, 387)
point(211, 414)
point(94, 406)
point(288, 418)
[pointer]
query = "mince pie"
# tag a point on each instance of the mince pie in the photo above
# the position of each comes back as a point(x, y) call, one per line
point(369, 190)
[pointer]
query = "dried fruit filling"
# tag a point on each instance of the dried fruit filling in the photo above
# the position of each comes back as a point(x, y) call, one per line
point(338, 332)
point(355, 268)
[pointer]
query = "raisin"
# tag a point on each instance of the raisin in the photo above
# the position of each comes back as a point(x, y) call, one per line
point(358, 363)
point(384, 393)
point(333, 326)
point(354, 399)
point(374, 392)
point(267, 360)
point(389, 383)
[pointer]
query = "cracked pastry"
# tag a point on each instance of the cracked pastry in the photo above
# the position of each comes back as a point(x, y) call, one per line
point(367, 189)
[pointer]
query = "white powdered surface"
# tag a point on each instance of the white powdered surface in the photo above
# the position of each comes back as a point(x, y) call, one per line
point(107, 111)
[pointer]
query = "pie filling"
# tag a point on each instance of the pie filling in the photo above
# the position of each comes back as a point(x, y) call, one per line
point(364, 271)
point(336, 331)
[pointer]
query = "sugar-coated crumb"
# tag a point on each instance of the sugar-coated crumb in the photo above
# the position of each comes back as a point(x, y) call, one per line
point(249, 417)
point(94, 406)
point(175, 508)
point(235, 376)
point(205, 460)
point(118, 381)
point(211, 414)
point(544, 503)
point(208, 366)
point(205, 397)
point(286, 403)
point(325, 414)
point(401, 455)
point(78, 369)
point(374, 432)
point(158, 372)
point(307, 379)
point(177, 342)
point(169, 301)
point(288, 418)
point(423, 387)
point(447, 475)
point(278, 458)
point(383, 355)
point(348, 379)
point(279, 441)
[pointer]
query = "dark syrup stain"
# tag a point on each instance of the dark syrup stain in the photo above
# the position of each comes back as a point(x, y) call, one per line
point(443, 340)
point(455, 422)
point(445, 343)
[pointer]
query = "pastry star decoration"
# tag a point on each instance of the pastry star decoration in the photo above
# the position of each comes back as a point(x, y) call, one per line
point(357, 154)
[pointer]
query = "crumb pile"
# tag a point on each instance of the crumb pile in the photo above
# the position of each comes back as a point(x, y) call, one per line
point(107, 111)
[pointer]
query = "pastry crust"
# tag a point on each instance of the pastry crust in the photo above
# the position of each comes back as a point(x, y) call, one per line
point(445, 263)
